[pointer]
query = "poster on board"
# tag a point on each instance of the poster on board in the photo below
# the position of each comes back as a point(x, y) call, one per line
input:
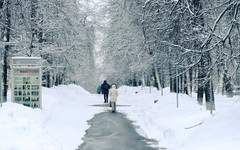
point(26, 82)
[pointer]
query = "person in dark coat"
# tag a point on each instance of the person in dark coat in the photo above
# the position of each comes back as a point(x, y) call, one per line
point(105, 90)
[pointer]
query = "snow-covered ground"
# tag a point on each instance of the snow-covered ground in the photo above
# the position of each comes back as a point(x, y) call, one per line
point(62, 122)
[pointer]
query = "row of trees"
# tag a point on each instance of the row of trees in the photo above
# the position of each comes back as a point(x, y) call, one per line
point(59, 31)
point(184, 44)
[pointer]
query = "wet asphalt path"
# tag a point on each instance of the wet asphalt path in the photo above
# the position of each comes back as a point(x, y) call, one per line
point(112, 131)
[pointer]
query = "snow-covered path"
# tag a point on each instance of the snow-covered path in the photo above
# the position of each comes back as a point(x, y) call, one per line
point(113, 131)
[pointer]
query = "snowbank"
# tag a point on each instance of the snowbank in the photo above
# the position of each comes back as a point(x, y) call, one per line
point(188, 127)
point(60, 125)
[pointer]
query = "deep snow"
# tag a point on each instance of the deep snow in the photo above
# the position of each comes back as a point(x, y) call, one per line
point(62, 122)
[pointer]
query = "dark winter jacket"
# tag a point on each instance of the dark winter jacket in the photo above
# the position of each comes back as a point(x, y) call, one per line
point(105, 87)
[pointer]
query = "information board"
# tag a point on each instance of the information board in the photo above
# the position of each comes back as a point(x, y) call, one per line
point(26, 82)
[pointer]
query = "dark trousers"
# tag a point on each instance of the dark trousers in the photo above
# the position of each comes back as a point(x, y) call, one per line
point(105, 97)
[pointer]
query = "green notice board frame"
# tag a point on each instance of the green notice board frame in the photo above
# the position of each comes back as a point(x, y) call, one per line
point(26, 75)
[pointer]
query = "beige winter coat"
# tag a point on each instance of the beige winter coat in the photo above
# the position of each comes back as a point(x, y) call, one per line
point(113, 93)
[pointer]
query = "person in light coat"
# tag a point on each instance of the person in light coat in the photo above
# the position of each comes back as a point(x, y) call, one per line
point(113, 93)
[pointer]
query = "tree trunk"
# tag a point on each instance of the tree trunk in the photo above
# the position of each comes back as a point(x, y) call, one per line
point(171, 78)
point(201, 76)
point(158, 80)
point(1, 74)
point(48, 79)
point(162, 79)
point(33, 25)
point(209, 95)
point(205, 79)
point(227, 83)
point(181, 84)
point(185, 84)
point(143, 80)
point(200, 95)
point(5, 55)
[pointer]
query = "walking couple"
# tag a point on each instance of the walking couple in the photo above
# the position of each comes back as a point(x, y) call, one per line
point(112, 92)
